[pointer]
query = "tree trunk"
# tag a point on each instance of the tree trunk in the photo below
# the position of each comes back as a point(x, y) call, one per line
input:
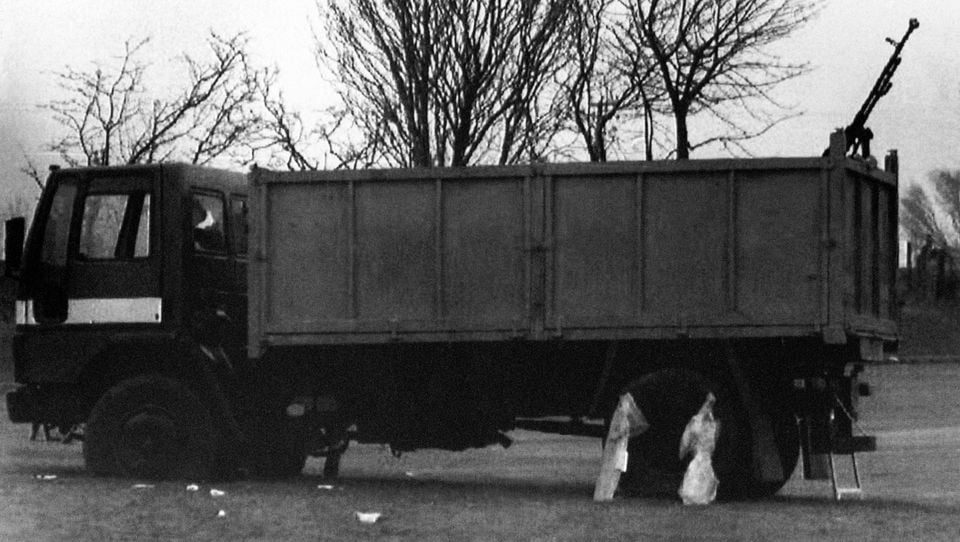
point(683, 136)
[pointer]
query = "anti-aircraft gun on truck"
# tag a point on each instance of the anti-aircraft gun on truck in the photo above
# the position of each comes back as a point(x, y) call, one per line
point(857, 133)
point(200, 321)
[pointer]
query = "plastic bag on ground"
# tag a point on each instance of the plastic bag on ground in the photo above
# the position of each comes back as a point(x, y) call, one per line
point(700, 438)
point(368, 517)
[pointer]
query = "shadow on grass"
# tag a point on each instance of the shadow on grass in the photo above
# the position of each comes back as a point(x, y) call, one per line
point(559, 490)
point(863, 504)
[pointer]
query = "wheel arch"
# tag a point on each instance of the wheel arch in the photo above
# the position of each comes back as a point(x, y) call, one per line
point(756, 393)
point(122, 359)
point(183, 361)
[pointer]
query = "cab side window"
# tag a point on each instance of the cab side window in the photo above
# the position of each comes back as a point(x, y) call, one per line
point(56, 232)
point(209, 235)
point(115, 226)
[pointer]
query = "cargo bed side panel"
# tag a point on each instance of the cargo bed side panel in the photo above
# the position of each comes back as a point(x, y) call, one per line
point(711, 249)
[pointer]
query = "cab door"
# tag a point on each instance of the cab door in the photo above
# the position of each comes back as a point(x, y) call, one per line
point(95, 263)
point(211, 287)
point(93, 271)
point(115, 275)
point(46, 292)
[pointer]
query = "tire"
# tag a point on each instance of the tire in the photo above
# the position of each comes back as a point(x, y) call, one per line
point(787, 441)
point(668, 399)
point(279, 451)
point(331, 465)
point(150, 427)
point(279, 464)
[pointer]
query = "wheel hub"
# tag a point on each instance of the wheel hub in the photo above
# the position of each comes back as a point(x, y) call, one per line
point(149, 440)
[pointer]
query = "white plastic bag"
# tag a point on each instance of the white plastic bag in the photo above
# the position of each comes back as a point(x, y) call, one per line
point(700, 438)
point(368, 517)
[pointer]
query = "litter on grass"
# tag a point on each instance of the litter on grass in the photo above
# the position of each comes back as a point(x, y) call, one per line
point(368, 517)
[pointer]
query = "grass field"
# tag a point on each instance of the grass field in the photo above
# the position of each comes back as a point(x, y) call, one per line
point(539, 489)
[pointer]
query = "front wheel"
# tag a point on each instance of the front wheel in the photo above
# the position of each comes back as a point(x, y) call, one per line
point(150, 427)
point(279, 447)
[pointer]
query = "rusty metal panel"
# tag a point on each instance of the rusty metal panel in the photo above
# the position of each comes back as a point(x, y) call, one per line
point(685, 239)
point(778, 238)
point(886, 250)
point(308, 250)
point(870, 252)
point(867, 246)
point(595, 249)
point(395, 267)
point(484, 253)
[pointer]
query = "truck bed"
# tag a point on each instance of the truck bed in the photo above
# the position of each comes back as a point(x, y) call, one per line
point(776, 247)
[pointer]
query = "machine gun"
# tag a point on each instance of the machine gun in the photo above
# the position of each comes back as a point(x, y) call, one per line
point(857, 134)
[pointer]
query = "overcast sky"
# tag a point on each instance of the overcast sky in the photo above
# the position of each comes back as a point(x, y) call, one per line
point(844, 44)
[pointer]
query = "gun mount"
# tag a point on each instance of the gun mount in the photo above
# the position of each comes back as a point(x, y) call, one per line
point(857, 134)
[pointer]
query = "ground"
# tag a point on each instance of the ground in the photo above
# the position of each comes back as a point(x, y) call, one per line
point(539, 489)
point(930, 329)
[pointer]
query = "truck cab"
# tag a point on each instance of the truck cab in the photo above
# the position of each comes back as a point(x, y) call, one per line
point(122, 267)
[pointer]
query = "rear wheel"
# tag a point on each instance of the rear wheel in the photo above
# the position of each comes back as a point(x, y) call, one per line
point(787, 442)
point(668, 399)
point(150, 427)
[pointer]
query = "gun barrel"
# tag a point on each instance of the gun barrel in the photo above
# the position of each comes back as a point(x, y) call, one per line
point(857, 133)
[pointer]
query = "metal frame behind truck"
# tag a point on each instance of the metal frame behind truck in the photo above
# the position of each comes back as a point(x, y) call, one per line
point(445, 307)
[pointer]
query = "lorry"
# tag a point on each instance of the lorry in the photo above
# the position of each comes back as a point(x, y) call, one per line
point(202, 322)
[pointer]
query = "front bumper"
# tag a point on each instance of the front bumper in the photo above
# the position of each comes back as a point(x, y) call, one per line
point(21, 405)
point(57, 404)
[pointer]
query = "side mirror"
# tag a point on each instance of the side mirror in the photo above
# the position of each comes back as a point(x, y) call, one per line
point(15, 231)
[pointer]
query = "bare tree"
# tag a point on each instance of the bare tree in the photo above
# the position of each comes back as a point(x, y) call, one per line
point(946, 184)
point(111, 118)
point(594, 88)
point(30, 169)
point(18, 204)
point(918, 218)
point(532, 112)
point(922, 217)
point(607, 89)
point(294, 141)
point(286, 134)
point(712, 57)
point(446, 82)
